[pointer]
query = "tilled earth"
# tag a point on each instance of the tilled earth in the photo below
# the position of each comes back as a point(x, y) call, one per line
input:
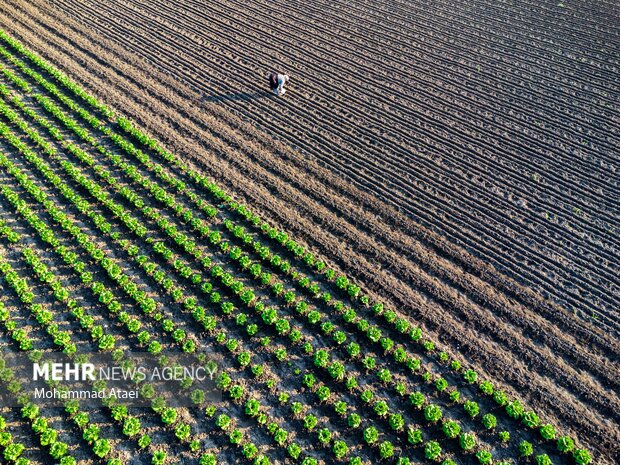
point(459, 160)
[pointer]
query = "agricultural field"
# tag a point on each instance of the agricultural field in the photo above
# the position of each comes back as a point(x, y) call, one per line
point(411, 258)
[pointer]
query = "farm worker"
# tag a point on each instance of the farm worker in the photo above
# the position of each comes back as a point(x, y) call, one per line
point(276, 83)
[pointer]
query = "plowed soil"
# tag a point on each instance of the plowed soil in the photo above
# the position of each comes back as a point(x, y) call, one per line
point(458, 159)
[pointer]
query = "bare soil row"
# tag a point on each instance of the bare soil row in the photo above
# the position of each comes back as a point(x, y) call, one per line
point(532, 259)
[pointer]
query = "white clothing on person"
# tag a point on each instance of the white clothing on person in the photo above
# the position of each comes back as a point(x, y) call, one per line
point(282, 79)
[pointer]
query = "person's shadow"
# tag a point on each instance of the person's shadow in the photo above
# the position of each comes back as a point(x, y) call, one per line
point(242, 96)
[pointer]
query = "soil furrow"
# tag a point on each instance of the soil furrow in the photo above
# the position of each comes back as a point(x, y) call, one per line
point(463, 183)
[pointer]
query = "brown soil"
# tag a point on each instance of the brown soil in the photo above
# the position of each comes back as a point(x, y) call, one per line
point(430, 188)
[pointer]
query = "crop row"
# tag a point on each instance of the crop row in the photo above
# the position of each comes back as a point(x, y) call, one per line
point(114, 272)
point(341, 283)
point(152, 271)
point(106, 342)
point(384, 448)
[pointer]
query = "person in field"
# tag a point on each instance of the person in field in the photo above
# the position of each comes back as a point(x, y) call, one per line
point(277, 82)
